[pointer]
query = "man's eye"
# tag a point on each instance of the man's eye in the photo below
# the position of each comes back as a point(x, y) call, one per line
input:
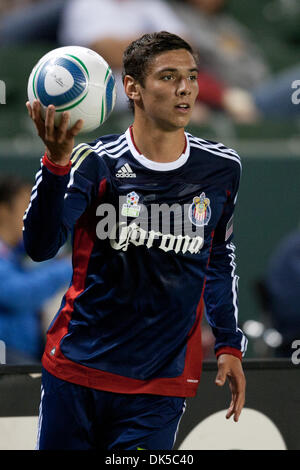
point(193, 77)
point(167, 77)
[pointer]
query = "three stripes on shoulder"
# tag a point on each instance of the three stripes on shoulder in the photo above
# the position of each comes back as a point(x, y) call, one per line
point(82, 151)
point(79, 154)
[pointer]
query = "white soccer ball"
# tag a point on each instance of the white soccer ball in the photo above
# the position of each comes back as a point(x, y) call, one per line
point(74, 79)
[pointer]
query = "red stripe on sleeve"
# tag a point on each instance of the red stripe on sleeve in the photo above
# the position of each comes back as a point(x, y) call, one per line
point(59, 170)
point(227, 350)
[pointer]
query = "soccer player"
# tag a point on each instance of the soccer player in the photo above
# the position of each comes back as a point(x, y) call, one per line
point(124, 350)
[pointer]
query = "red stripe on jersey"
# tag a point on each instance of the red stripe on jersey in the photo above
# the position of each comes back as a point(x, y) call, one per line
point(185, 145)
point(133, 141)
point(84, 239)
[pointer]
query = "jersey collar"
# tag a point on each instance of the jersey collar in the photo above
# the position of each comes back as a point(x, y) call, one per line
point(158, 166)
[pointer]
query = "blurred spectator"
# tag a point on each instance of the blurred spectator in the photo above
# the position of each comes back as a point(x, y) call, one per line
point(226, 47)
point(30, 20)
point(228, 51)
point(282, 283)
point(24, 287)
point(108, 26)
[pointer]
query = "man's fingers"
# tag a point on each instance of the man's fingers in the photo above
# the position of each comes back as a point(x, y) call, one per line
point(49, 123)
point(29, 109)
point(34, 112)
point(221, 376)
point(237, 386)
point(76, 128)
point(58, 140)
point(230, 367)
point(239, 404)
point(235, 409)
point(63, 127)
point(46, 129)
point(220, 381)
point(230, 410)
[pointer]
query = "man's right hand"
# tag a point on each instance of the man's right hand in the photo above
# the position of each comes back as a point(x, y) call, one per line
point(59, 140)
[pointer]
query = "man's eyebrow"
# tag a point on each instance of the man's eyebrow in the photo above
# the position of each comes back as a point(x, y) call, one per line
point(170, 69)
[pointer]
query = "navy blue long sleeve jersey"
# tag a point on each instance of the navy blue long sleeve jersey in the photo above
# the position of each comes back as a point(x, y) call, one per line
point(152, 242)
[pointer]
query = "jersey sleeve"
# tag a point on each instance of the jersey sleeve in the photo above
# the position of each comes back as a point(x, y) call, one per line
point(59, 197)
point(221, 288)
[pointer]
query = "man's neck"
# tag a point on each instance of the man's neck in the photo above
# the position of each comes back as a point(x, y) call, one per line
point(158, 145)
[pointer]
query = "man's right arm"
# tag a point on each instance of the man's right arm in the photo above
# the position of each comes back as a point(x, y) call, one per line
point(59, 198)
point(43, 231)
point(44, 227)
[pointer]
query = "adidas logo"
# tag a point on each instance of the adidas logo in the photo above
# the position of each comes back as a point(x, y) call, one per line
point(125, 172)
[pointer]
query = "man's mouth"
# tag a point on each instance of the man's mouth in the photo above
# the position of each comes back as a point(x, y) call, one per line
point(183, 107)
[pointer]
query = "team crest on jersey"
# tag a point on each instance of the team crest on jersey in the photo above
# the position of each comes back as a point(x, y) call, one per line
point(200, 210)
point(131, 208)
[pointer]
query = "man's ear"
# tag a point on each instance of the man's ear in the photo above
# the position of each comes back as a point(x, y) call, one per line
point(132, 88)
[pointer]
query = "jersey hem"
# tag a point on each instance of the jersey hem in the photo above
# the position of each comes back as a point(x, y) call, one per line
point(70, 371)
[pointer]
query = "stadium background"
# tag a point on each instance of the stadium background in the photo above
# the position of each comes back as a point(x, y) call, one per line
point(268, 206)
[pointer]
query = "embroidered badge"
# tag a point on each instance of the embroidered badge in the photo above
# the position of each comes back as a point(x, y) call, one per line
point(200, 210)
point(131, 208)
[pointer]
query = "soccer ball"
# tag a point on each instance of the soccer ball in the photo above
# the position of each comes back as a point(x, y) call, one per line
point(74, 79)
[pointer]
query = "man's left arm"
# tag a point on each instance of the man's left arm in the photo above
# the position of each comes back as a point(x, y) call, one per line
point(221, 302)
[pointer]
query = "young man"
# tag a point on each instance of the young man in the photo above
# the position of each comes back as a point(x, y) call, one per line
point(124, 350)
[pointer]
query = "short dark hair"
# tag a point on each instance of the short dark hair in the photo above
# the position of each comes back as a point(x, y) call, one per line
point(139, 54)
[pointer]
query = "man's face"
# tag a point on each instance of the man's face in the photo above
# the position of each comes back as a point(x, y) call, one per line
point(170, 89)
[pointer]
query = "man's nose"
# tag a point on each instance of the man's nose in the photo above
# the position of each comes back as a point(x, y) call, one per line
point(184, 87)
